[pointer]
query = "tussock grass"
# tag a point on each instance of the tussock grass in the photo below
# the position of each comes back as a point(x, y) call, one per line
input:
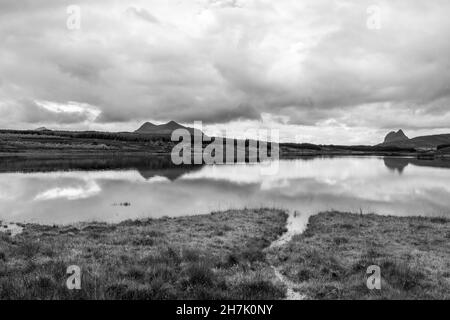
point(217, 256)
point(330, 259)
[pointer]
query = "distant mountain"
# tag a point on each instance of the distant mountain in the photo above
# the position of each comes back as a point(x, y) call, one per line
point(42, 129)
point(396, 136)
point(399, 139)
point(163, 129)
point(146, 127)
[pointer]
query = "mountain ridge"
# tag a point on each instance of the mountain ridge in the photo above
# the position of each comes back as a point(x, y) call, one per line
point(399, 139)
point(42, 129)
point(164, 129)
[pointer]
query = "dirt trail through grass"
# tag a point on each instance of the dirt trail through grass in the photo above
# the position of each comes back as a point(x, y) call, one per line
point(330, 259)
point(292, 289)
point(295, 224)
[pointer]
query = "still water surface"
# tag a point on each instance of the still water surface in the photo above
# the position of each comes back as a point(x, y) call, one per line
point(105, 192)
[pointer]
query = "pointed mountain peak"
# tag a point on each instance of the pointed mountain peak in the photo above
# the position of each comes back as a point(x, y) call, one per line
point(145, 127)
point(172, 125)
point(165, 128)
point(396, 136)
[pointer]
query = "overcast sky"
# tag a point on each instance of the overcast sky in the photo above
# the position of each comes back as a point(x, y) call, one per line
point(317, 70)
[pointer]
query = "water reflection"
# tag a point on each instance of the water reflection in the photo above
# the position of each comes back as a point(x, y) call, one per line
point(399, 164)
point(157, 188)
point(396, 164)
point(90, 189)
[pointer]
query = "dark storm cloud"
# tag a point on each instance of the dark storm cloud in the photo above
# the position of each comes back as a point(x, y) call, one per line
point(227, 114)
point(32, 112)
point(312, 62)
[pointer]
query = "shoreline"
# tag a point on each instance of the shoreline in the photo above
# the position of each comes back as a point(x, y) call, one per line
point(55, 154)
point(146, 162)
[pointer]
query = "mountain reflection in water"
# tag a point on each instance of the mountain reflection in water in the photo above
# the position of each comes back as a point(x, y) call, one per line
point(72, 190)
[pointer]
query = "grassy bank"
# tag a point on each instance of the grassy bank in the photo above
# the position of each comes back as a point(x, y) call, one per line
point(330, 259)
point(216, 256)
point(225, 255)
